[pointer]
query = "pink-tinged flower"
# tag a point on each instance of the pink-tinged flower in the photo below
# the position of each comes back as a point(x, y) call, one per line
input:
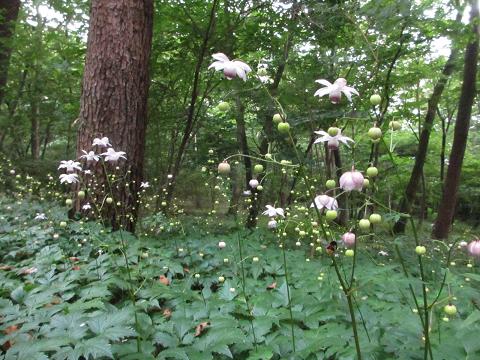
point(349, 239)
point(272, 224)
point(335, 90)
point(253, 183)
point(103, 142)
point(69, 165)
point(352, 180)
point(333, 141)
point(325, 201)
point(90, 156)
point(68, 178)
point(273, 212)
point(474, 248)
point(222, 244)
point(112, 155)
point(230, 68)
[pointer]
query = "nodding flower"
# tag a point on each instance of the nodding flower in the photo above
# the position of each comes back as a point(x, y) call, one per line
point(335, 90)
point(352, 180)
point(231, 68)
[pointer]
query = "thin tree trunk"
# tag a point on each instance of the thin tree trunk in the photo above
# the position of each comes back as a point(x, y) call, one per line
point(421, 154)
point(446, 209)
point(8, 16)
point(190, 122)
point(114, 99)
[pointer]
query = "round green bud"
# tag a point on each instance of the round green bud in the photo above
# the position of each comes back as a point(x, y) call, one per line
point(395, 125)
point(372, 171)
point(283, 127)
point(81, 194)
point(349, 253)
point(109, 200)
point(331, 215)
point(375, 99)
point(375, 218)
point(262, 72)
point(333, 131)
point(450, 309)
point(420, 250)
point(330, 184)
point(63, 224)
point(257, 169)
point(224, 106)
point(277, 118)
point(366, 183)
point(68, 202)
point(364, 224)
point(375, 133)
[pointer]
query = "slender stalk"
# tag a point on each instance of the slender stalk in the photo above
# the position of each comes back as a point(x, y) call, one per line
point(288, 295)
point(244, 290)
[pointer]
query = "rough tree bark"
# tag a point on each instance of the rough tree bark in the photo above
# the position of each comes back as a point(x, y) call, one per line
point(8, 16)
point(446, 209)
point(421, 154)
point(114, 99)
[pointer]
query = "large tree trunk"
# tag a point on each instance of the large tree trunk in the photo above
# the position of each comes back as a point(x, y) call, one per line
point(467, 96)
point(421, 154)
point(114, 99)
point(8, 16)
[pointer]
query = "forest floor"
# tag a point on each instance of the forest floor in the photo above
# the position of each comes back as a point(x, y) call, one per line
point(77, 290)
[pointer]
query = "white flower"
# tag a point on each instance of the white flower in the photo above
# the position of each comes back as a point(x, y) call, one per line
point(112, 155)
point(68, 178)
point(253, 183)
point(169, 176)
point(333, 141)
point(41, 216)
point(69, 165)
point(90, 156)
point(104, 142)
point(230, 68)
point(383, 253)
point(247, 193)
point(87, 206)
point(222, 244)
point(87, 172)
point(325, 201)
point(273, 212)
point(145, 185)
point(352, 180)
point(335, 90)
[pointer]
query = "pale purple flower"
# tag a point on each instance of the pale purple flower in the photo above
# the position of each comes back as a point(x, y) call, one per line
point(352, 180)
point(230, 68)
point(273, 212)
point(89, 156)
point(349, 239)
point(103, 142)
point(69, 165)
point(253, 183)
point(474, 248)
point(112, 155)
point(325, 201)
point(335, 90)
point(333, 141)
point(69, 178)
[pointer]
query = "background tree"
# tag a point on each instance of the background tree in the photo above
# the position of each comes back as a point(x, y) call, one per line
point(8, 17)
point(462, 124)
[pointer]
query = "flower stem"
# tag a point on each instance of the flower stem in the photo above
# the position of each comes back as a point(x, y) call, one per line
point(288, 296)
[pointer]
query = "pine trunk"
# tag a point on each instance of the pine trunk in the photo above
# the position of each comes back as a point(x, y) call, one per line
point(114, 101)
